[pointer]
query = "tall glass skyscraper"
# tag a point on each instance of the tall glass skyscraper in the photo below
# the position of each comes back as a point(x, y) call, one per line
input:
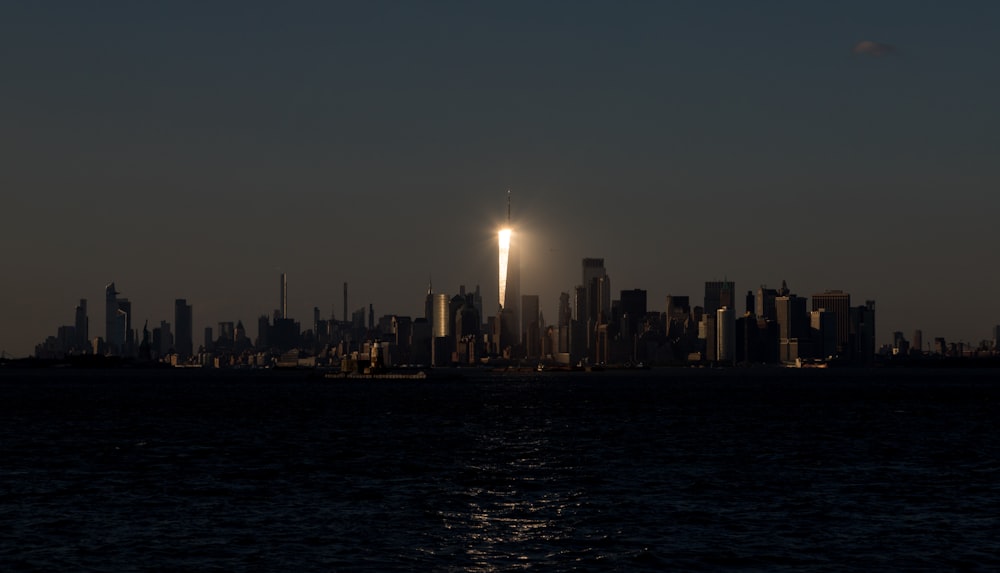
point(509, 282)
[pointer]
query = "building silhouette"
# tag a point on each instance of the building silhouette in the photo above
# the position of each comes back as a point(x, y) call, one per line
point(839, 303)
point(719, 294)
point(283, 302)
point(119, 337)
point(509, 285)
point(81, 326)
point(725, 329)
point(793, 327)
point(184, 329)
point(531, 335)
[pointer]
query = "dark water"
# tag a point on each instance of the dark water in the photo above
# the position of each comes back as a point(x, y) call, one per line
point(666, 470)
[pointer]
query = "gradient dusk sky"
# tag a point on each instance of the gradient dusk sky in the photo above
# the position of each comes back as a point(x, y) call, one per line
point(198, 149)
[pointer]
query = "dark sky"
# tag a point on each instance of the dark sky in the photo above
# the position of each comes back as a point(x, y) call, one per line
point(198, 149)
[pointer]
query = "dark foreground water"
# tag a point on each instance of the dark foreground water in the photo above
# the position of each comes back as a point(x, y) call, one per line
point(664, 470)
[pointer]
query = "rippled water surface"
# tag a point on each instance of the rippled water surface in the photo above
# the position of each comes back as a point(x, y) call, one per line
point(674, 469)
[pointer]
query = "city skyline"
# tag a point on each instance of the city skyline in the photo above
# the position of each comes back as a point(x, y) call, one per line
point(831, 322)
point(198, 154)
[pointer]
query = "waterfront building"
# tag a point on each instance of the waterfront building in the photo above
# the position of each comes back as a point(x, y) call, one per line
point(81, 325)
point(509, 283)
point(633, 310)
point(839, 303)
point(823, 333)
point(793, 327)
point(764, 303)
point(115, 323)
point(283, 301)
point(531, 335)
point(719, 294)
point(184, 329)
point(861, 333)
point(725, 328)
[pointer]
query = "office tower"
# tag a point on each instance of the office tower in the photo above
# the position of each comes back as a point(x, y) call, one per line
point(402, 330)
point(900, 346)
point(633, 302)
point(823, 333)
point(531, 336)
point(345, 302)
point(455, 305)
point(81, 324)
point(633, 311)
point(725, 329)
point(509, 282)
point(678, 308)
point(429, 303)
point(839, 303)
point(468, 324)
point(477, 303)
point(764, 303)
point(467, 320)
point(861, 332)
point(792, 318)
point(241, 341)
point(125, 325)
point(227, 331)
point(793, 327)
point(918, 342)
point(598, 289)
point(263, 330)
point(118, 323)
point(565, 313)
point(163, 340)
point(708, 333)
point(283, 302)
point(440, 326)
point(210, 341)
point(580, 304)
point(719, 294)
point(114, 326)
point(183, 324)
point(565, 318)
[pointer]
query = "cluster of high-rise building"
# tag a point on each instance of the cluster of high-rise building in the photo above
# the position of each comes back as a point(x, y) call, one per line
point(592, 327)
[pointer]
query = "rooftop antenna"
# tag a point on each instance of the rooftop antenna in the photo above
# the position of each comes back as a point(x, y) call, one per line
point(508, 206)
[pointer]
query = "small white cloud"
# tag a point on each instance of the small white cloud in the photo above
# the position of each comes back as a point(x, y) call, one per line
point(873, 49)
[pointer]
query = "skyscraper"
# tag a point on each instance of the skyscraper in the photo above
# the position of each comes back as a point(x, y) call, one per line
point(719, 294)
point(839, 303)
point(183, 324)
point(633, 312)
point(793, 327)
point(509, 283)
point(284, 296)
point(598, 288)
point(82, 327)
point(532, 330)
point(116, 321)
point(725, 330)
point(441, 325)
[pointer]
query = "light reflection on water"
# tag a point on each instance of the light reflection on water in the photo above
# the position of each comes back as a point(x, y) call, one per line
point(699, 474)
point(518, 522)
